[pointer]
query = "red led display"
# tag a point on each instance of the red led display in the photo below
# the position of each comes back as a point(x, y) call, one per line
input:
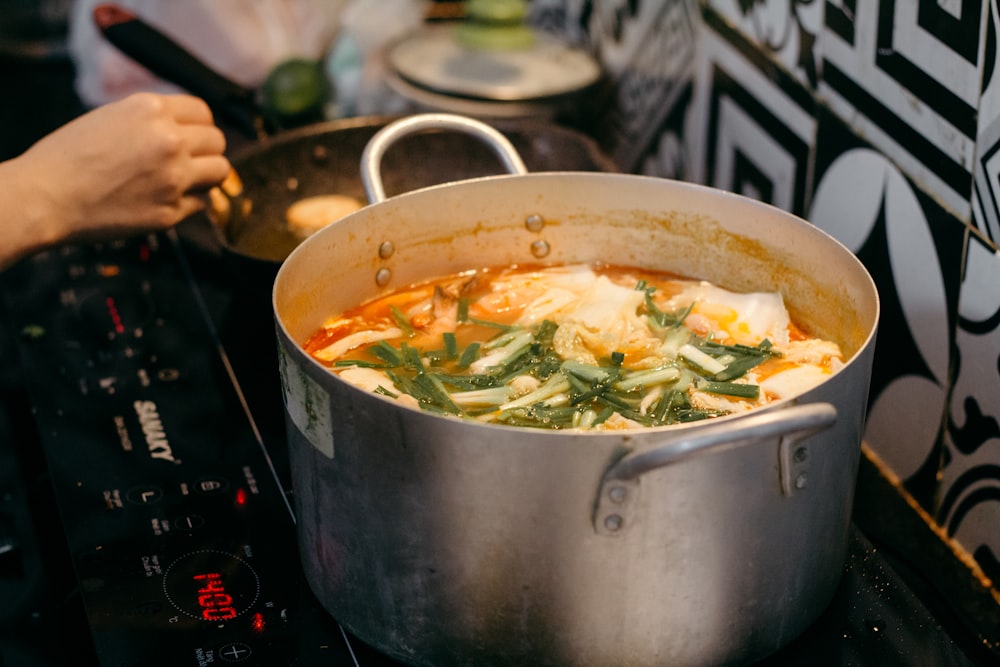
point(215, 603)
point(257, 623)
point(116, 318)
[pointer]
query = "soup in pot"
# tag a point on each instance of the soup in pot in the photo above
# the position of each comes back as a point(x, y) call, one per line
point(575, 347)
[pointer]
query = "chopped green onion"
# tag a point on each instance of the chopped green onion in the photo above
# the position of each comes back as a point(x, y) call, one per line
point(470, 354)
point(468, 382)
point(450, 345)
point(411, 358)
point(665, 410)
point(488, 323)
point(402, 321)
point(586, 372)
point(359, 363)
point(603, 416)
point(554, 386)
point(510, 334)
point(405, 384)
point(738, 359)
point(609, 398)
point(584, 419)
point(514, 346)
point(692, 415)
point(662, 318)
point(546, 330)
point(547, 365)
point(435, 393)
point(648, 378)
point(739, 367)
point(436, 357)
point(765, 347)
point(539, 416)
point(576, 384)
point(492, 396)
point(703, 361)
point(387, 353)
point(731, 389)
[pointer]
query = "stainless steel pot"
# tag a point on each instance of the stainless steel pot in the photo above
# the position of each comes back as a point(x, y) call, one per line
point(440, 541)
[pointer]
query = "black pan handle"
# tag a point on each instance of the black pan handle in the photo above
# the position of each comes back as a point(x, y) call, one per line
point(170, 61)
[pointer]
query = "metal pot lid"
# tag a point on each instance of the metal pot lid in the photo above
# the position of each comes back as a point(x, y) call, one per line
point(437, 60)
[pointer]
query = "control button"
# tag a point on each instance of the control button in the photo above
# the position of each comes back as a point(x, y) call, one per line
point(189, 522)
point(235, 652)
point(144, 495)
point(211, 485)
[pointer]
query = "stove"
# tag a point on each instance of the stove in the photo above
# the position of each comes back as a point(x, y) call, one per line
point(176, 524)
point(145, 504)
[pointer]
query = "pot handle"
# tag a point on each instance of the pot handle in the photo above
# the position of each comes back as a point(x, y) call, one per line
point(371, 157)
point(620, 484)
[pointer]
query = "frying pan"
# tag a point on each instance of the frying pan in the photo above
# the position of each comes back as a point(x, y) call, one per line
point(279, 166)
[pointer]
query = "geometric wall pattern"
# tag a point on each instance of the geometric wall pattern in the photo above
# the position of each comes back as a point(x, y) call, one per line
point(878, 121)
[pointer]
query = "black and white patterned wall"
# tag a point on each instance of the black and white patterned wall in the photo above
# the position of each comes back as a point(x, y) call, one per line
point(878, 121)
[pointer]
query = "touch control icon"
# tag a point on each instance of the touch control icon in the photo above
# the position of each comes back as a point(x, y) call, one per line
point(235, 652)
point(211, 485)
point(144, 495)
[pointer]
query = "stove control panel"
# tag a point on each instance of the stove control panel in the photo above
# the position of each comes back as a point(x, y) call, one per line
point(183, 541)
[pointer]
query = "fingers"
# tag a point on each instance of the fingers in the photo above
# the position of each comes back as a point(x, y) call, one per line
point(188, 109)
point(203, 139)
point(209, 170)
point(199, 155)
point(189, 205)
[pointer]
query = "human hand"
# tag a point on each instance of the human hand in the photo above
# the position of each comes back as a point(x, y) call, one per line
point(139, 164)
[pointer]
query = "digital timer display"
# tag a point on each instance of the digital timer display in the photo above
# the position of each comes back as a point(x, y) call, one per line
point(210, 585)
point(215, 603)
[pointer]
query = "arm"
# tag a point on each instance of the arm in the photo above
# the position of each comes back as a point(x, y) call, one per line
point(137, 165)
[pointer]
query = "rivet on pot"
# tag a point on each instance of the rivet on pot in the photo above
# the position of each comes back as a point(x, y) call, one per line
point(320, 154)
point(540, 249)
point(386, 249)
point(292, 184)
point(382, 277)
point(534, 223)
point(613, 522)
point(617, 494)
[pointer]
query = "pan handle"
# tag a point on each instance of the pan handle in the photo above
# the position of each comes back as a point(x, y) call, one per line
point(167, 59)
point(371, 157)
point(620, 485)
